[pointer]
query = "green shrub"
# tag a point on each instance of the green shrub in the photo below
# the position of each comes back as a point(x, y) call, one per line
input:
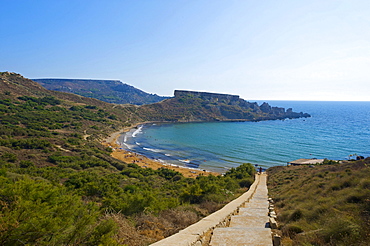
point(9, 157)
point(26, 164)
point(34, 212)
point(29, 143)
point(167, 173)
point(246, 182)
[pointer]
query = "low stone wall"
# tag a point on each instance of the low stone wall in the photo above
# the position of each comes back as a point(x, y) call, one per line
point(199, 233)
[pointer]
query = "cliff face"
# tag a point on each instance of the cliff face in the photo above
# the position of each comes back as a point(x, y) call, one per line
point(204, 106)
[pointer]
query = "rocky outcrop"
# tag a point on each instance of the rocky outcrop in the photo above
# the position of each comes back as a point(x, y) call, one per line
point(281, 113)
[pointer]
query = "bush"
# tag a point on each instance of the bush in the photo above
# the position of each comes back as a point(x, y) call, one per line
point(246, 182)
point(29, 143)
point(26, 164)
point(33, 212)
point(167, 173)
point(9, 157)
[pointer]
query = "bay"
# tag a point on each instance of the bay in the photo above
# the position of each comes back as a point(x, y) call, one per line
point(335, 131)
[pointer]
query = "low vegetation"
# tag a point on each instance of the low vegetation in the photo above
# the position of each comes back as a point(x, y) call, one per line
point(102, 206)
point(322, 204)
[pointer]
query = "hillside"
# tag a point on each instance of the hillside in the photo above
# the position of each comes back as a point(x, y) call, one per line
point(60, 186)
point(113, 118)
point(322, 204)
point(111, 91)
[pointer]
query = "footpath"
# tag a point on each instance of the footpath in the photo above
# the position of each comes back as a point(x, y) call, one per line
point(244, 221)
point(251, 225)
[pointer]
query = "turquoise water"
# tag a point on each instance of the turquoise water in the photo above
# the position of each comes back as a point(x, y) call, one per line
point(335, 131)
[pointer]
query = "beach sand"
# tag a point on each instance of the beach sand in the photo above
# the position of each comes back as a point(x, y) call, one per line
point(145, 162)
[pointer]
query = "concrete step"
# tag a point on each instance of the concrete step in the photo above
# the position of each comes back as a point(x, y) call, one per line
point(254, 211)
point(262, 192)
point(250, 226)
point(233, 236)
point(261, 204)
point(247, 221)
point(260, 196)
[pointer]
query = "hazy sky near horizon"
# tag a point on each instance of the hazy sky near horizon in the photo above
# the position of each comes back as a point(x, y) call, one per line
point(260, 50)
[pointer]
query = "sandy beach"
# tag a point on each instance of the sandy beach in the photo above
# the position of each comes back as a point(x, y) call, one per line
point(144, 162)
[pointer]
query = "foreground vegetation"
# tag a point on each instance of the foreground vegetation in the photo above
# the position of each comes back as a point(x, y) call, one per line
point(324, 204)
point(94, 206)
point(60, 186)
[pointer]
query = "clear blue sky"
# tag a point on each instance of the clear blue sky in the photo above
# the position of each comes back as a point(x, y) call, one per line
point(270, 50)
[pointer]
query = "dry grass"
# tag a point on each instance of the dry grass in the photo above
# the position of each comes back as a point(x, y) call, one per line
point(323, 205)
point(146, 228)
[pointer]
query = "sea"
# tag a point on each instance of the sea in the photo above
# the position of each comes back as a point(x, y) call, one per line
point(335, 130)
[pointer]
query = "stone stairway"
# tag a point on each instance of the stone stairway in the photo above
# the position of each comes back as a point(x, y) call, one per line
point(251, 225)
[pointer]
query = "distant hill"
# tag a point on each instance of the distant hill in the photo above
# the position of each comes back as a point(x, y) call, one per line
point(112, 91)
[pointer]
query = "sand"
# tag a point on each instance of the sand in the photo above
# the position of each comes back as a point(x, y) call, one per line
point(145, 162)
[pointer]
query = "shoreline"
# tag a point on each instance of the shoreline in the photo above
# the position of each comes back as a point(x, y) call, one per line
point(145, 162)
